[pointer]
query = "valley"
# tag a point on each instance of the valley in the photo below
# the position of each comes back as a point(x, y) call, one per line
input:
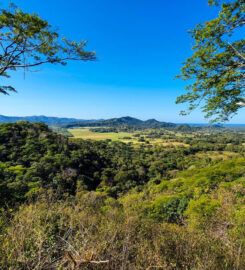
point(165, 187)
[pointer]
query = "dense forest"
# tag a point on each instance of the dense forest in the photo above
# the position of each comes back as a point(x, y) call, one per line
point(80, 204)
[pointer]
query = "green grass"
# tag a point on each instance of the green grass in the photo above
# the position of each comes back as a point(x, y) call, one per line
point(86, 134)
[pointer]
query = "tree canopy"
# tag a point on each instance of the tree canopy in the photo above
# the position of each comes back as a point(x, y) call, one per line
point(27, 41)
point(216, 68)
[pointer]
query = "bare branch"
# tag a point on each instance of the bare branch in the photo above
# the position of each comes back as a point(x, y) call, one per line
point(237, 52)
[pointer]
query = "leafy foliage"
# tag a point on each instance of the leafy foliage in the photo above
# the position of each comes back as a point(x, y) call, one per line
point(218, 63)
point(27, 41)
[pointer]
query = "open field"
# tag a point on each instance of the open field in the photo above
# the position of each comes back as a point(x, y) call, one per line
point(86, 134)
point(223, 155)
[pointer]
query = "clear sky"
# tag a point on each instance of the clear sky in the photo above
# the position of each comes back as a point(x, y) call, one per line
point(140, 46)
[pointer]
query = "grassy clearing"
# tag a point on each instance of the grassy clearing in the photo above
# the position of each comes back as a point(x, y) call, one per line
point(174, 144)
point(218, 154)
point(86, 134)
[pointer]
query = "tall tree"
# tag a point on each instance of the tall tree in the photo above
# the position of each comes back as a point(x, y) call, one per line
point(216, 68)
point(27, 41)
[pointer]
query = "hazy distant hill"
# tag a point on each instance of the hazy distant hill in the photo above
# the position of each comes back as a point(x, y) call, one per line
point(122, 121)
point(51, 121)
point(73, 122)
point(126, 121)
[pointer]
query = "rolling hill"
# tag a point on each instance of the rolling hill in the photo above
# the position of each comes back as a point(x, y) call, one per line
point(122, 121)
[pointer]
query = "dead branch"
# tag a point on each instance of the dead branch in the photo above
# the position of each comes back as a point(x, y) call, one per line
point(76, 262)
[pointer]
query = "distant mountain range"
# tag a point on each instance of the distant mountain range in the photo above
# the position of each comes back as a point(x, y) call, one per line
point(126, 121)
point(73, 122)
point(51, 121)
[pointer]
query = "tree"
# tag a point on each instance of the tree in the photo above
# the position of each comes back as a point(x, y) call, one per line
point(217, 65)
point(27, 41)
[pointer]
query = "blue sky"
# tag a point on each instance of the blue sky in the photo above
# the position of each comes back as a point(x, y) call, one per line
point(140, 46)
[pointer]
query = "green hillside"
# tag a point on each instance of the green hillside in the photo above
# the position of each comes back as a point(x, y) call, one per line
point(66, 202)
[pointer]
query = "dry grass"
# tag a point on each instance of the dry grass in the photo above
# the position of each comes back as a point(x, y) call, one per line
point(73, 235)
point(224, 155)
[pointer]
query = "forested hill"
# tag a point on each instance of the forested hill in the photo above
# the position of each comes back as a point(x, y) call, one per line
point(123, 121)
point(33, 159)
